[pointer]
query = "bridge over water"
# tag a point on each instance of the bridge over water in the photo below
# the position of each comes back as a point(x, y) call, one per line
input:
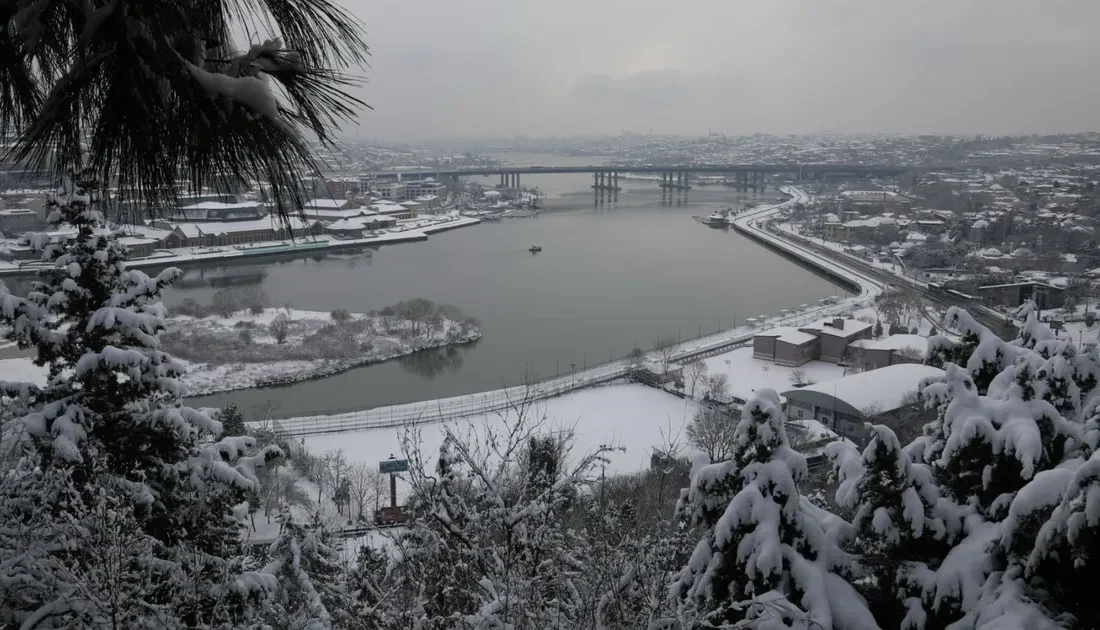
point(606, 176)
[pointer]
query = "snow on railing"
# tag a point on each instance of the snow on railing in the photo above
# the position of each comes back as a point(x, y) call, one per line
point(499, 401)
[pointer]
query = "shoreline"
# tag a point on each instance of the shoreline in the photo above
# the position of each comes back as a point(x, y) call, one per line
point(188, 256)
point(329, 369)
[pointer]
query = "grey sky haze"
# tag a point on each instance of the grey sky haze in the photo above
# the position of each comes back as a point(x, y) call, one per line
point(498, 68)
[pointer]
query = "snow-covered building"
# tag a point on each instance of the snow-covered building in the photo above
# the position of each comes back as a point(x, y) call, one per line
point(836, 334)
point(845, 404)
point(393, 191)
point(826, 340)
point(885, 199)
point(892, 350)
point(213, 210)
point(1044, 295)
point(355, 226)
point(219, 233)
point(786, 346)
point(19, 220)
point(395, 210)
point(423, 187)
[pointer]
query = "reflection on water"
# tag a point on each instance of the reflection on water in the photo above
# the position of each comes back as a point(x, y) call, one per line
point(431, 363)
point(220, 275)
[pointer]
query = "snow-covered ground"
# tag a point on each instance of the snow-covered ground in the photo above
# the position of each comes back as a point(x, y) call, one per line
point(375, 343)
point(22, 370)
point(634, 417)
point(747, 375)
point(219, 333)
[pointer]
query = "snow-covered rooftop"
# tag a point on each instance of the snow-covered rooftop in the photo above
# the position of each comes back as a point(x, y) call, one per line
point(192, 230)
point(326, 204)
point(218, 205)
point(898, 342)
point(884, 389)
point(846, 328)
point(788, 335)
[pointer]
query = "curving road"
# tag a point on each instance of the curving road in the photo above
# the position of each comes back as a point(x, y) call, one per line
point(444, 409)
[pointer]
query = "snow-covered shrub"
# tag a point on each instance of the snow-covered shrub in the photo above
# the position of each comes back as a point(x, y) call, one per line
point(488, 543)
point(280, 327)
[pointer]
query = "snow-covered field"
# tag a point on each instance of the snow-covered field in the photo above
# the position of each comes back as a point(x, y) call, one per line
point(369, 338)
point(634, 417)
point(747, 375)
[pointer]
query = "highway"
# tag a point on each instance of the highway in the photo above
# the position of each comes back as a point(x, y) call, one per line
point(995, 321)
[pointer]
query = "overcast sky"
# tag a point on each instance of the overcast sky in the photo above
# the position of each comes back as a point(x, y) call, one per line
point(498, 68)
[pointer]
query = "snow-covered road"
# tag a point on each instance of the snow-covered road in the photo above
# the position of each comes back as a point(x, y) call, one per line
point(495, 401)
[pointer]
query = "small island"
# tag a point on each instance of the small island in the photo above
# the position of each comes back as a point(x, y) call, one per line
point(239, 342)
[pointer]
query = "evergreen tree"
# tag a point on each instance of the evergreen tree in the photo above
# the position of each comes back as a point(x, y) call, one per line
point(232, 421)
point(311, 589)
point(1009, 458)
point(108, 436)
point(900, 524)
point(983, 354)
point(759, 542)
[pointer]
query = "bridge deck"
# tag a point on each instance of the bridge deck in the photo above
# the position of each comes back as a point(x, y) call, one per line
point(805, 169)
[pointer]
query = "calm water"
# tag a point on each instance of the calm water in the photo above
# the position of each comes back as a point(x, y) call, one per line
point(608, 279)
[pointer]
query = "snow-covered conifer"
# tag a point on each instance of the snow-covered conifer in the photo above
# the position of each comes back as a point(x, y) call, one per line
point(311, 589)
point(108, 429)
point(759, 542)
point(979, 350)
point(898, 519)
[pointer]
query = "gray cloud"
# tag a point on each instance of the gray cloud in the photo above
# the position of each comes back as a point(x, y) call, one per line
point(501, 67)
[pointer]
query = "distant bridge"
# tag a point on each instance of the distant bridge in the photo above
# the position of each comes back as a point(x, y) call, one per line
point(606, 176)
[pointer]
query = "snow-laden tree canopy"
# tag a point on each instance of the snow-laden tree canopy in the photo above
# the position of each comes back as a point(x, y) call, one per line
point(145, 92)
point(991, 519)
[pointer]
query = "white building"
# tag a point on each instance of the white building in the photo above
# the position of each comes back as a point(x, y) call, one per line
point(393, 191)
point(426, 186)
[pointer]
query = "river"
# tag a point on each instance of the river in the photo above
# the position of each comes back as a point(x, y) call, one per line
point(610, 277)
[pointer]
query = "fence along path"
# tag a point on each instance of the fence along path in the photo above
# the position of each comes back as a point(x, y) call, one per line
point(444, 409)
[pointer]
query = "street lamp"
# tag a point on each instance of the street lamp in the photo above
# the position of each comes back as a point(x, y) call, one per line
point(573, 367)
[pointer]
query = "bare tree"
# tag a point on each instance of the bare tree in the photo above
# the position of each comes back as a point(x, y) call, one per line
point(799, 378)
point(712, 431)
point(798, 434)
point(717, 386)
point(666, 350)
point(910, 354)
point(225, 303)
point(635, 360)
point(852, 359)
point(367, 487)
point(695, 373)
point(329, 472)
point(280, 327)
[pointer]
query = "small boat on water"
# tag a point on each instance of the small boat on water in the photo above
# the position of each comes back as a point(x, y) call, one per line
point(718, 218)
point(535, 249)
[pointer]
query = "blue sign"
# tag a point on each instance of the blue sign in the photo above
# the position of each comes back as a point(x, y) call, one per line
point(392, 466)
